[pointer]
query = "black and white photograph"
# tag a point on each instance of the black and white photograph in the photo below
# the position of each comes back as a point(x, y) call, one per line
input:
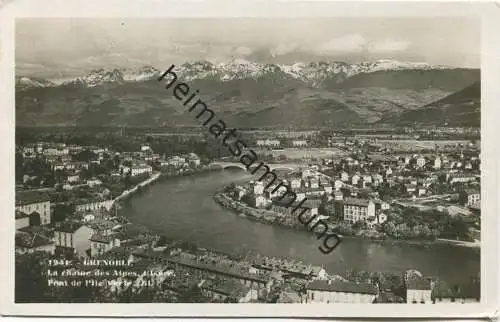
point(248, 160)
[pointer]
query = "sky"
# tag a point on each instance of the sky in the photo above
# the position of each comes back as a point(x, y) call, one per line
point(64, 47)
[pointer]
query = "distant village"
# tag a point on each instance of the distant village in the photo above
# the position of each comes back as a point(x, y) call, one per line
point(377, 189)
point(67, 197)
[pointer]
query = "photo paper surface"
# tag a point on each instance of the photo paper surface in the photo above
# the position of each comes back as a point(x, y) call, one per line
point(322, 161)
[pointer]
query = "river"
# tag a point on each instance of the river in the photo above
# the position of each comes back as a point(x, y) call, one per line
point(183, 208)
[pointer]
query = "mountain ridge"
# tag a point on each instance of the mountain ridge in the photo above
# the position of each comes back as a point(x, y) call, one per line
point(312, 73)
point(462, 108)
point(313, 94)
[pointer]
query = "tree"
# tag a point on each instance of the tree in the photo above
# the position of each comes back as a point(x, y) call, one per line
point(30, 284)
point(389, 228)
point(62, 211)
point(192, 295)
point(116, 161)
point(19, 167)
point(50, 181)
point(230, 188)
point(462, 197)
point(34, 219)
point(85, 156)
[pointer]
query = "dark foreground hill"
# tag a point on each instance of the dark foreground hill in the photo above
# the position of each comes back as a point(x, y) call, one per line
point(462, 108)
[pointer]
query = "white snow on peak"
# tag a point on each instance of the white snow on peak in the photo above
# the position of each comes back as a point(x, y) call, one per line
point(236, 68)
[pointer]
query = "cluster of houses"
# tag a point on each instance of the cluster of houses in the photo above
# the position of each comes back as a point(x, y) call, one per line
point(268, 143)
point(62, 157)
point(33, 210)
point(33, 207)
point(419, 290)
point(311, 189)
point(354, 183)
point(98, 235)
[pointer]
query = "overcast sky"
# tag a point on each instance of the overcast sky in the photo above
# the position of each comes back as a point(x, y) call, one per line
point(61, 47)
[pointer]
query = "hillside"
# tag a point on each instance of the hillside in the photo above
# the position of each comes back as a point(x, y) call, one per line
point(462, 108)
point(245, 94)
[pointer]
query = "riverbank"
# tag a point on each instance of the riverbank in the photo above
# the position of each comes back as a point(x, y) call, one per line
point(474, 244)
point(269, 217)
point(187, 172)
point(259, 215)
point(159, 176)
point(136, 188)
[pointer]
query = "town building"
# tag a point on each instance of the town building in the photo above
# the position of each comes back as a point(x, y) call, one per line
point(73, 178)
point(295, 183)
point(289, 297)
point(22, 219)
point(268, 143)
point(258, 201)
point(314, 183)
point(442, 293)
point(93, 205)
point(73, 238)
point(418, 290)
point(299, 143)
point(228, 291)
point(338, 184)
point(461, 178)
point(473, 196)
point(139, 169)
point(52, 151)
point(411, 188)
point(336, 291)
point(102, 243)
point(421, 162)
point(258, 188)
point(358, 209)
point(94, 182)
point(261, 282)
point(29, 243)
point(176, 161)
point(282, 207)
point(36, 204)
point(437, 163)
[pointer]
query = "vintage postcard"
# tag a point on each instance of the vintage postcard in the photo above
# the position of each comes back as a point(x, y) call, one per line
point(264, 159)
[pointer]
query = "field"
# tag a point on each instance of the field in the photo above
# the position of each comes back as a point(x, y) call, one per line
point(303, 153)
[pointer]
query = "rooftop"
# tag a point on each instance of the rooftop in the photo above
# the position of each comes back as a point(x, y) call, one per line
point(356, 202)
point(289, 297)
point(226, 287)
point(31, 241)
point(20, 214)
point(472, 190)
point(219, 267)
point(344, 287)
point(469, 290)
point(29, 197)
point(418, 283)
point(69, 227)
point(100, 238)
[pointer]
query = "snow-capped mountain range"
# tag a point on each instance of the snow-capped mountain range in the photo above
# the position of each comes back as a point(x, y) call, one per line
point(313, 73)
point(22, 81)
